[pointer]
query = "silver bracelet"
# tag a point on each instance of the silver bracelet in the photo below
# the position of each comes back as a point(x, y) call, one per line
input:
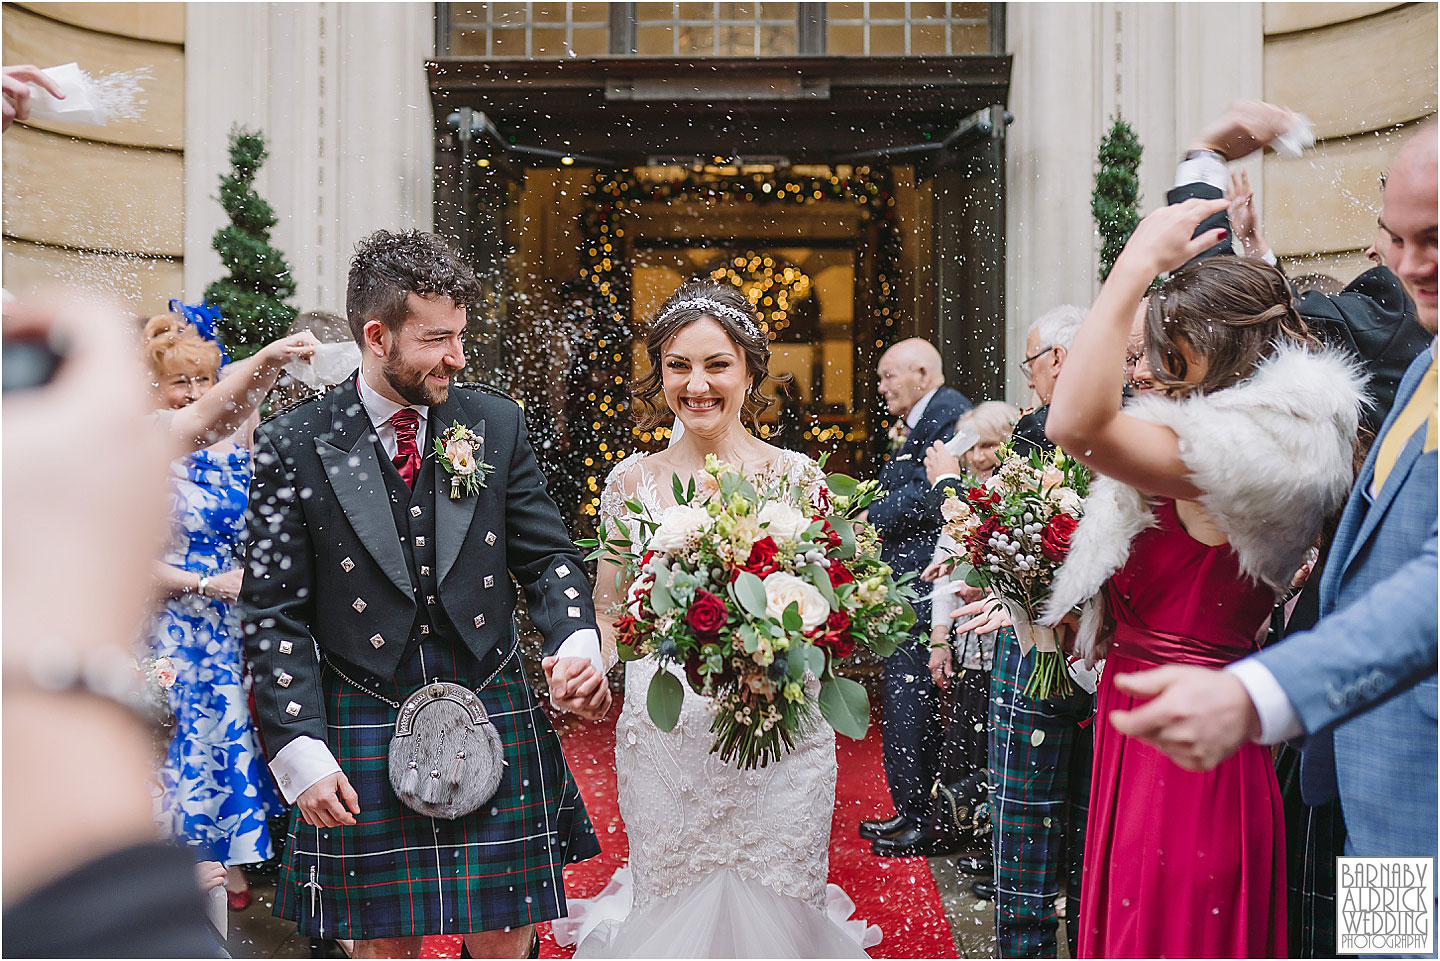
point(201, 585)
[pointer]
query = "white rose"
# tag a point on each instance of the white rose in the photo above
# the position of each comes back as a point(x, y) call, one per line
point(782, 590)
point(1067, 500)
point(464, 464)
point(785, 523)
point(1052, 476)
point(677, 525)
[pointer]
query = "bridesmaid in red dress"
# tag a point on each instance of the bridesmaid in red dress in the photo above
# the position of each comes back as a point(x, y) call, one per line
point(1209, 494)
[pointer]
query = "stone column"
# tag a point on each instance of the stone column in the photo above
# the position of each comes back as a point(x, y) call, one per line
point(339, 91)
point(1167, 69)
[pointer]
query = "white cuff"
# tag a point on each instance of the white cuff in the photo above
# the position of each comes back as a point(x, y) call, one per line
point(945, 477)
point(300, 764)
point(1278, 720)
point(583, 643)
point(1203, 168)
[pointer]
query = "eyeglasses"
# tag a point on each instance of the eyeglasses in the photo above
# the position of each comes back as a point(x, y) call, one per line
point(1027, 366)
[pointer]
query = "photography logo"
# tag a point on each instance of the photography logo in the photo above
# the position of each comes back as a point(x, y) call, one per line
point(1385, 906)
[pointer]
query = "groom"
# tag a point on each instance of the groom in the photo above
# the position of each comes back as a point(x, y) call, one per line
point(370, 575)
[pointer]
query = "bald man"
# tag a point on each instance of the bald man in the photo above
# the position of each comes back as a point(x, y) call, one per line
point(1360, 687)
point(913, 386)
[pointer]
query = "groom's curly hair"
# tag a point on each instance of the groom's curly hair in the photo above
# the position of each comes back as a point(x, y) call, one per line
point(387, 266)
point(680, 311)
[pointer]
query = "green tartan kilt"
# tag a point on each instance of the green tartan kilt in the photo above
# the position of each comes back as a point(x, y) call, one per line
point(397, 872)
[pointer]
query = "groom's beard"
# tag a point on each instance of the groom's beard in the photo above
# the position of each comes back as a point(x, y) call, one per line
point(413, 384)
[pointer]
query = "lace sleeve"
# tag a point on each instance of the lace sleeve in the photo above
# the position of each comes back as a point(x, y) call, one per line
point(612, 497)
point(803, 471)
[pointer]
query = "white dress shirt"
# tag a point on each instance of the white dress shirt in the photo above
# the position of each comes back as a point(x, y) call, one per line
point(380, 409)
point(918, 411)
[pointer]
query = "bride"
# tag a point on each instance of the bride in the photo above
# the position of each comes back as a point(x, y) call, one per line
point(723, 862)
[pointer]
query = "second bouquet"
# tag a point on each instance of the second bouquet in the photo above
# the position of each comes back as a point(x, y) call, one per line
point(752, 588)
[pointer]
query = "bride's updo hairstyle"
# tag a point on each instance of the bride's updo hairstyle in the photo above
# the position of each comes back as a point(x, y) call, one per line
point(727, 305)
point(1235, 312)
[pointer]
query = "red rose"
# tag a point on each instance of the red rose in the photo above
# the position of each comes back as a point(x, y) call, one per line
point(1055, 541)
point(707, 614)
point(763, 554)
point(980, 497)
point(832, 536)
point(840, 574)
point(837, 638)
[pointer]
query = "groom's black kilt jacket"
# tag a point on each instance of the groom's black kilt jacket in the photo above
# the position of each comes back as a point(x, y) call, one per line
point(327, 570)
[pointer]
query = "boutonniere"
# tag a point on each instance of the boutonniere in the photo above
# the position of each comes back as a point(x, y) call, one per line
point(897, 434)
point(456, 450)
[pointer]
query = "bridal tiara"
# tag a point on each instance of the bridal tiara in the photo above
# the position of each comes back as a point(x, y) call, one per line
point(717, 309)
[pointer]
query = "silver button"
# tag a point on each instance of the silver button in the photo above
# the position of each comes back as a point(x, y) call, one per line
point(284, 780)
point(574, 611)
point(419, 542)
point(415, 512)
point(479, 620)
point(293, 708)
point(489, 580)
point(286, 647)
point(424, 571)
point(490, 537)
point(430, 599)
point(284, 679)
point(571, 593)
point(424, 628)
point(562, 571)
point(376, 641)
point(347, 565)
point(359, 605)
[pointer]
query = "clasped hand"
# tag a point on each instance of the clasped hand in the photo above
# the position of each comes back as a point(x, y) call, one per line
point(577, 686)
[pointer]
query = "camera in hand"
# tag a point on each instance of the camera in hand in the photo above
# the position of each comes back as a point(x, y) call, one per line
point(28, 362)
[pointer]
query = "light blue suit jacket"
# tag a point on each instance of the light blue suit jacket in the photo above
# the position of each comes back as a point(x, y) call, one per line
point(1363, 679)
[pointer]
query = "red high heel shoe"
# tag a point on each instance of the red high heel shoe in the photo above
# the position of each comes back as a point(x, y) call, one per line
point(238, 900)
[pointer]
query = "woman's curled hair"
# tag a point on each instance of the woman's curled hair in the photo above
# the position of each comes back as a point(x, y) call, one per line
point(1234, 312)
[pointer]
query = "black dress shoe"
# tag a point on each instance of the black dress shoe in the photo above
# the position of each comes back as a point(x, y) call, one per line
point(913, 842)
point(872, 830)
point(984, 889)
point(982, 865)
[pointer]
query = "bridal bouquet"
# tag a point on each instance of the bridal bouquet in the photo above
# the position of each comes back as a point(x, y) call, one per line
point(747, 586)
point(1014, 532)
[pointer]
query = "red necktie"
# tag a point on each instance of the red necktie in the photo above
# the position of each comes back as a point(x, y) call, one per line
point(407, 456)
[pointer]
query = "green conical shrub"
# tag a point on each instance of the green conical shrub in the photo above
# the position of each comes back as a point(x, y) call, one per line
point(1115, 202)
point(252, 297)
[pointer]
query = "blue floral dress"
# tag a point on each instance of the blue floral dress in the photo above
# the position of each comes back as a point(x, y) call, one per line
point(216, 790)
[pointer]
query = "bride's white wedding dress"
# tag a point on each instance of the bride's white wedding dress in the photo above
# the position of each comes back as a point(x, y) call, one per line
point(723, 862)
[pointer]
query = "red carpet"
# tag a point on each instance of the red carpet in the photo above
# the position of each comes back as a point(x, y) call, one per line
point(898, 894)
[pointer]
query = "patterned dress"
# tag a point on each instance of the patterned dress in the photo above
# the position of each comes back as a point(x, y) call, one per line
point(215, 790)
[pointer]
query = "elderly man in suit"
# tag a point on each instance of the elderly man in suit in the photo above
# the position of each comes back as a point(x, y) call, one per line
point(378, 570)
point(913, 386)
point(1361, 685)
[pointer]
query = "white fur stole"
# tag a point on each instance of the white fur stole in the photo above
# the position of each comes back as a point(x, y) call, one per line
point(1274, 456)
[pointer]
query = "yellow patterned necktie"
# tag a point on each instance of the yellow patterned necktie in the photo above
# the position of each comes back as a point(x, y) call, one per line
point(1419, 410)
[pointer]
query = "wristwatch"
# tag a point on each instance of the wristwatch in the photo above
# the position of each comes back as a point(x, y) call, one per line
point(201, 585)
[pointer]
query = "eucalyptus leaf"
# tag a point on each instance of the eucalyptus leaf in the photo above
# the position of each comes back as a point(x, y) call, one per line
point(882, 646)
point(750, 637)
point(749, 593)
point(845, 705)
point(821, 579)
point(628, 653)
point(906, 619)
point(664, 699)
point(795, 666)
point(815, 660)
point(846, 530)
point(975, 579)
point(842, 485)
point(660, 600)
point(791, 618)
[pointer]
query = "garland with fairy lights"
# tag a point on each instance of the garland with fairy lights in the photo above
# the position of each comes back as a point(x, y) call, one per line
point(602, 429)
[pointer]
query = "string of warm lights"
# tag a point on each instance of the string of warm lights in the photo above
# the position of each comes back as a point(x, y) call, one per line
point(605, 431)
